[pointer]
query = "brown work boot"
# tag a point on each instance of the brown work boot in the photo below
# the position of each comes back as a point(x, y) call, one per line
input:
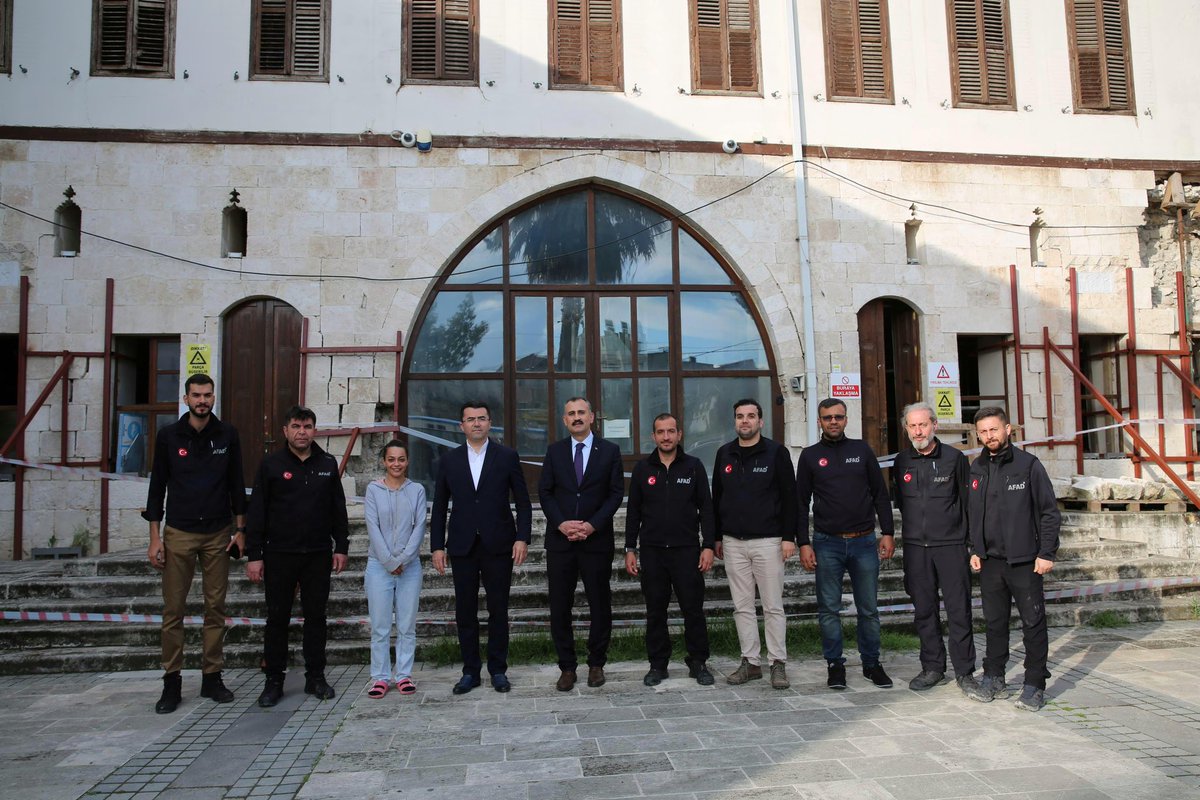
point(566, 681)
point(745, 672)
point(596, 677)
point(779, 676)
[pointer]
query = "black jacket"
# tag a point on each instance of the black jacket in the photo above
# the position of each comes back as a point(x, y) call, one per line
point(297, 506)
point(1016, 508)
point(595, 500)
point(845, 484)
point(754, 491)
point(931, 493)
point(669, 506)
point(482, 513)
point(200, 473)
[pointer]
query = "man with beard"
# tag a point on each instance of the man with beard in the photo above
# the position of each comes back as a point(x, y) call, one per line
point(754, 504)
point(198, 467)
point(843, 479)
point(297, 532)
point(1014, 523)
point(931, 493)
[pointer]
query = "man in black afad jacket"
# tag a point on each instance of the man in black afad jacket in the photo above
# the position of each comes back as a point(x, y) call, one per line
point(198, 467)
point(1014, 523)
point(670, 508)
point(843, 479)
point(931, 493)
point(754, 505)
point(297, 532)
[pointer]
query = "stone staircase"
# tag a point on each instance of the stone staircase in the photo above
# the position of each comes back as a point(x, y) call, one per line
point(123, 583)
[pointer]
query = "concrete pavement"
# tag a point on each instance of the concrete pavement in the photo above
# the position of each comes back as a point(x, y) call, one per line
point(1123, 721)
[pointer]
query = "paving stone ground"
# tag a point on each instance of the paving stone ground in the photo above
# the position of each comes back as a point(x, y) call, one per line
point(1123, 721)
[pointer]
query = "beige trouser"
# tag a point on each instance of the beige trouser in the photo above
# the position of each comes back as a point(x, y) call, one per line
point(750, 563)
point(183, 550)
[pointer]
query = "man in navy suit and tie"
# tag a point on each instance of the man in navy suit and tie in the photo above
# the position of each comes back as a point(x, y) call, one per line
point(581, 489)
point(484, 541)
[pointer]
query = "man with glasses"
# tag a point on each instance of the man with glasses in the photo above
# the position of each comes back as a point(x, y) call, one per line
point(484, 541)
point(754, 503)
point(842, 478)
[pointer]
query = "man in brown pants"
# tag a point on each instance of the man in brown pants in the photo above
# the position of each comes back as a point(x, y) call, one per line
point(198, 467)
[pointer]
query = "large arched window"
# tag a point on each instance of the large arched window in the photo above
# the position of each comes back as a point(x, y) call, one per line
point(587, 292)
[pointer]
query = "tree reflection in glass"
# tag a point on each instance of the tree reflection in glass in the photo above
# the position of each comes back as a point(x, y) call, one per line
point(462, 343)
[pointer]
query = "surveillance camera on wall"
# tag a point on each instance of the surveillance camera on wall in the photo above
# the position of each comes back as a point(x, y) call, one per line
point(407, 138)
point(730, 146)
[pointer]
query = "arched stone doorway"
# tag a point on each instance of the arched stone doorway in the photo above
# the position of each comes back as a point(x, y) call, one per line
point(260, 373)
point(587, 292)
point(890, 358)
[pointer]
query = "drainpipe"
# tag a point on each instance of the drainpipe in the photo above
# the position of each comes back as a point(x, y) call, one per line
point(806, 293)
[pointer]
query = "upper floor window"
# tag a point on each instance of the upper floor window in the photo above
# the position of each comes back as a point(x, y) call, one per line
point(724, 45)
point(858, 55)
point(1101, 73)
point(132, 37)
point(980, 53)
point(5, 37)
point(585, 44)
point(441, 41)
point(290, 40)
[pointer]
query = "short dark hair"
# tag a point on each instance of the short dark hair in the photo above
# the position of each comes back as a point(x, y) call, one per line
point(748, 401)
point(199, 379)
point(300, 414)
point(393, 443)
point(662, 416)
point(991, 411)
point(574, 399)
point(473, 404)
point(830, 402)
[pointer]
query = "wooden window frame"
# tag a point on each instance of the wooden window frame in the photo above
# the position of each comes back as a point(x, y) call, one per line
point(288, 73)
point(587, 84)
point(1010, 102)
point(130, 68)
point(6, 37)
point(889, 95)
point(148, 382)
point(1073, 55)
point(727, 77)
point(407, 76)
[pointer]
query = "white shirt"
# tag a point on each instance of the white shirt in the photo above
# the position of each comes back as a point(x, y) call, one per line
point(475, 461)
point(587, 449)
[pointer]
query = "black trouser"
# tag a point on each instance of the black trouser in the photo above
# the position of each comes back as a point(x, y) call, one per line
point(564, 568)
point(926, 570)
point(1000, 584)
point(495, 572)
point(665, 569)
point(281, 573)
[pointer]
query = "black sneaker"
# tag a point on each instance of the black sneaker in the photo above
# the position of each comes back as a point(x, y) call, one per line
point(172, 693)
point(988, 689)
point(1032, 698)
point(877, 676)
point(319, 687)
point(271, 693)
point(212, 687)
point(837, 676)
point(968, 683)
point(699, 671)
point(654, 677)
point(927, 679)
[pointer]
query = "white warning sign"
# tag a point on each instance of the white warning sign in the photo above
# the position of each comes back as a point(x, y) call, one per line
point(943, 374)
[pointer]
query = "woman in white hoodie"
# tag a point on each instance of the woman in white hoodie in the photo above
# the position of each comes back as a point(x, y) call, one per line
point(395, 512)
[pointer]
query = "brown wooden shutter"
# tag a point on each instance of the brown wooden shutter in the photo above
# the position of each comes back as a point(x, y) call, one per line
point(568, 45)
point(458, 40)
point(873, 44)
point(980, 54)
point(114, 25)
point(725, 45)
point(743, 46)
point(440, 40)
point(604, 43)
point(308, 38)
point(151, 35)
point(5, 36)
point(710, 46)
point(272, 37)
point(1100, 52)
point(857, 51)
point(585, 43)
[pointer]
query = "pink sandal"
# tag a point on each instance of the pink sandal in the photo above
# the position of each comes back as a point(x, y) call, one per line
point(406, 686)
point(377, 690)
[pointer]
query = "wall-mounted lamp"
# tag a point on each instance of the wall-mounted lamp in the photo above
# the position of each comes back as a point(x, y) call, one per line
point(236, 76)
point(904, 102)
point(776, 94)
point(341, 79)
point(537, 84)
point(74, 74)
point(185, 75)
point(490, 84)
point(636, 90)
point(387, 78)
point(820, 98)
point(1148, 113)
point(22, 68)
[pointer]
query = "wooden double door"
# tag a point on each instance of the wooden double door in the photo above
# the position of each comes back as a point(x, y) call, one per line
point(890, 359)
point(260, 374)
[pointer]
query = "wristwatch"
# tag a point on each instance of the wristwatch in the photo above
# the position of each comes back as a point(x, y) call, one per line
point(240, 530)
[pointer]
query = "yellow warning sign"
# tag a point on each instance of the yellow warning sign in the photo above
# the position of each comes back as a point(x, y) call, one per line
point(198, 358)
point(946, 403)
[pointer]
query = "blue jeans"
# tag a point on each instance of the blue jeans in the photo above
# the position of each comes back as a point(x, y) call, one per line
point(392, 597)
point(860, 557)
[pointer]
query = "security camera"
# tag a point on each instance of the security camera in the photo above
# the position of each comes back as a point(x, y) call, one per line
point(407, 138)
point(730, 146)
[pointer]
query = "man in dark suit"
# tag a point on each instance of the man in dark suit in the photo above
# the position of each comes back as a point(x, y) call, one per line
point(581, 489)
point(484, 541)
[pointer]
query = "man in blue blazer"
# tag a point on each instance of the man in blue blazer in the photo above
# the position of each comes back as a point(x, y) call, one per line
point(581, 489)
point(484, 540)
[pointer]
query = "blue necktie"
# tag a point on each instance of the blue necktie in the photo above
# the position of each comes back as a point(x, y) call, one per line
point(579, 463)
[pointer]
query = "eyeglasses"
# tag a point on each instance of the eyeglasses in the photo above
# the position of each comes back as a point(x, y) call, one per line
point(469, 420)
point(833, 418)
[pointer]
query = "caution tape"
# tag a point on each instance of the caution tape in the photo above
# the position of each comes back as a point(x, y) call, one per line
point(1092, 590)
point(81, 471)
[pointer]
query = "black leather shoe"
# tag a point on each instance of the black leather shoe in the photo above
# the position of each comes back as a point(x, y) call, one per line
point(318, 687)
point(699, 671)
point(654, 677)
point(172, 693)
point(500, 682)
point(271, 693)
point(465, 684)
point(212, 687)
